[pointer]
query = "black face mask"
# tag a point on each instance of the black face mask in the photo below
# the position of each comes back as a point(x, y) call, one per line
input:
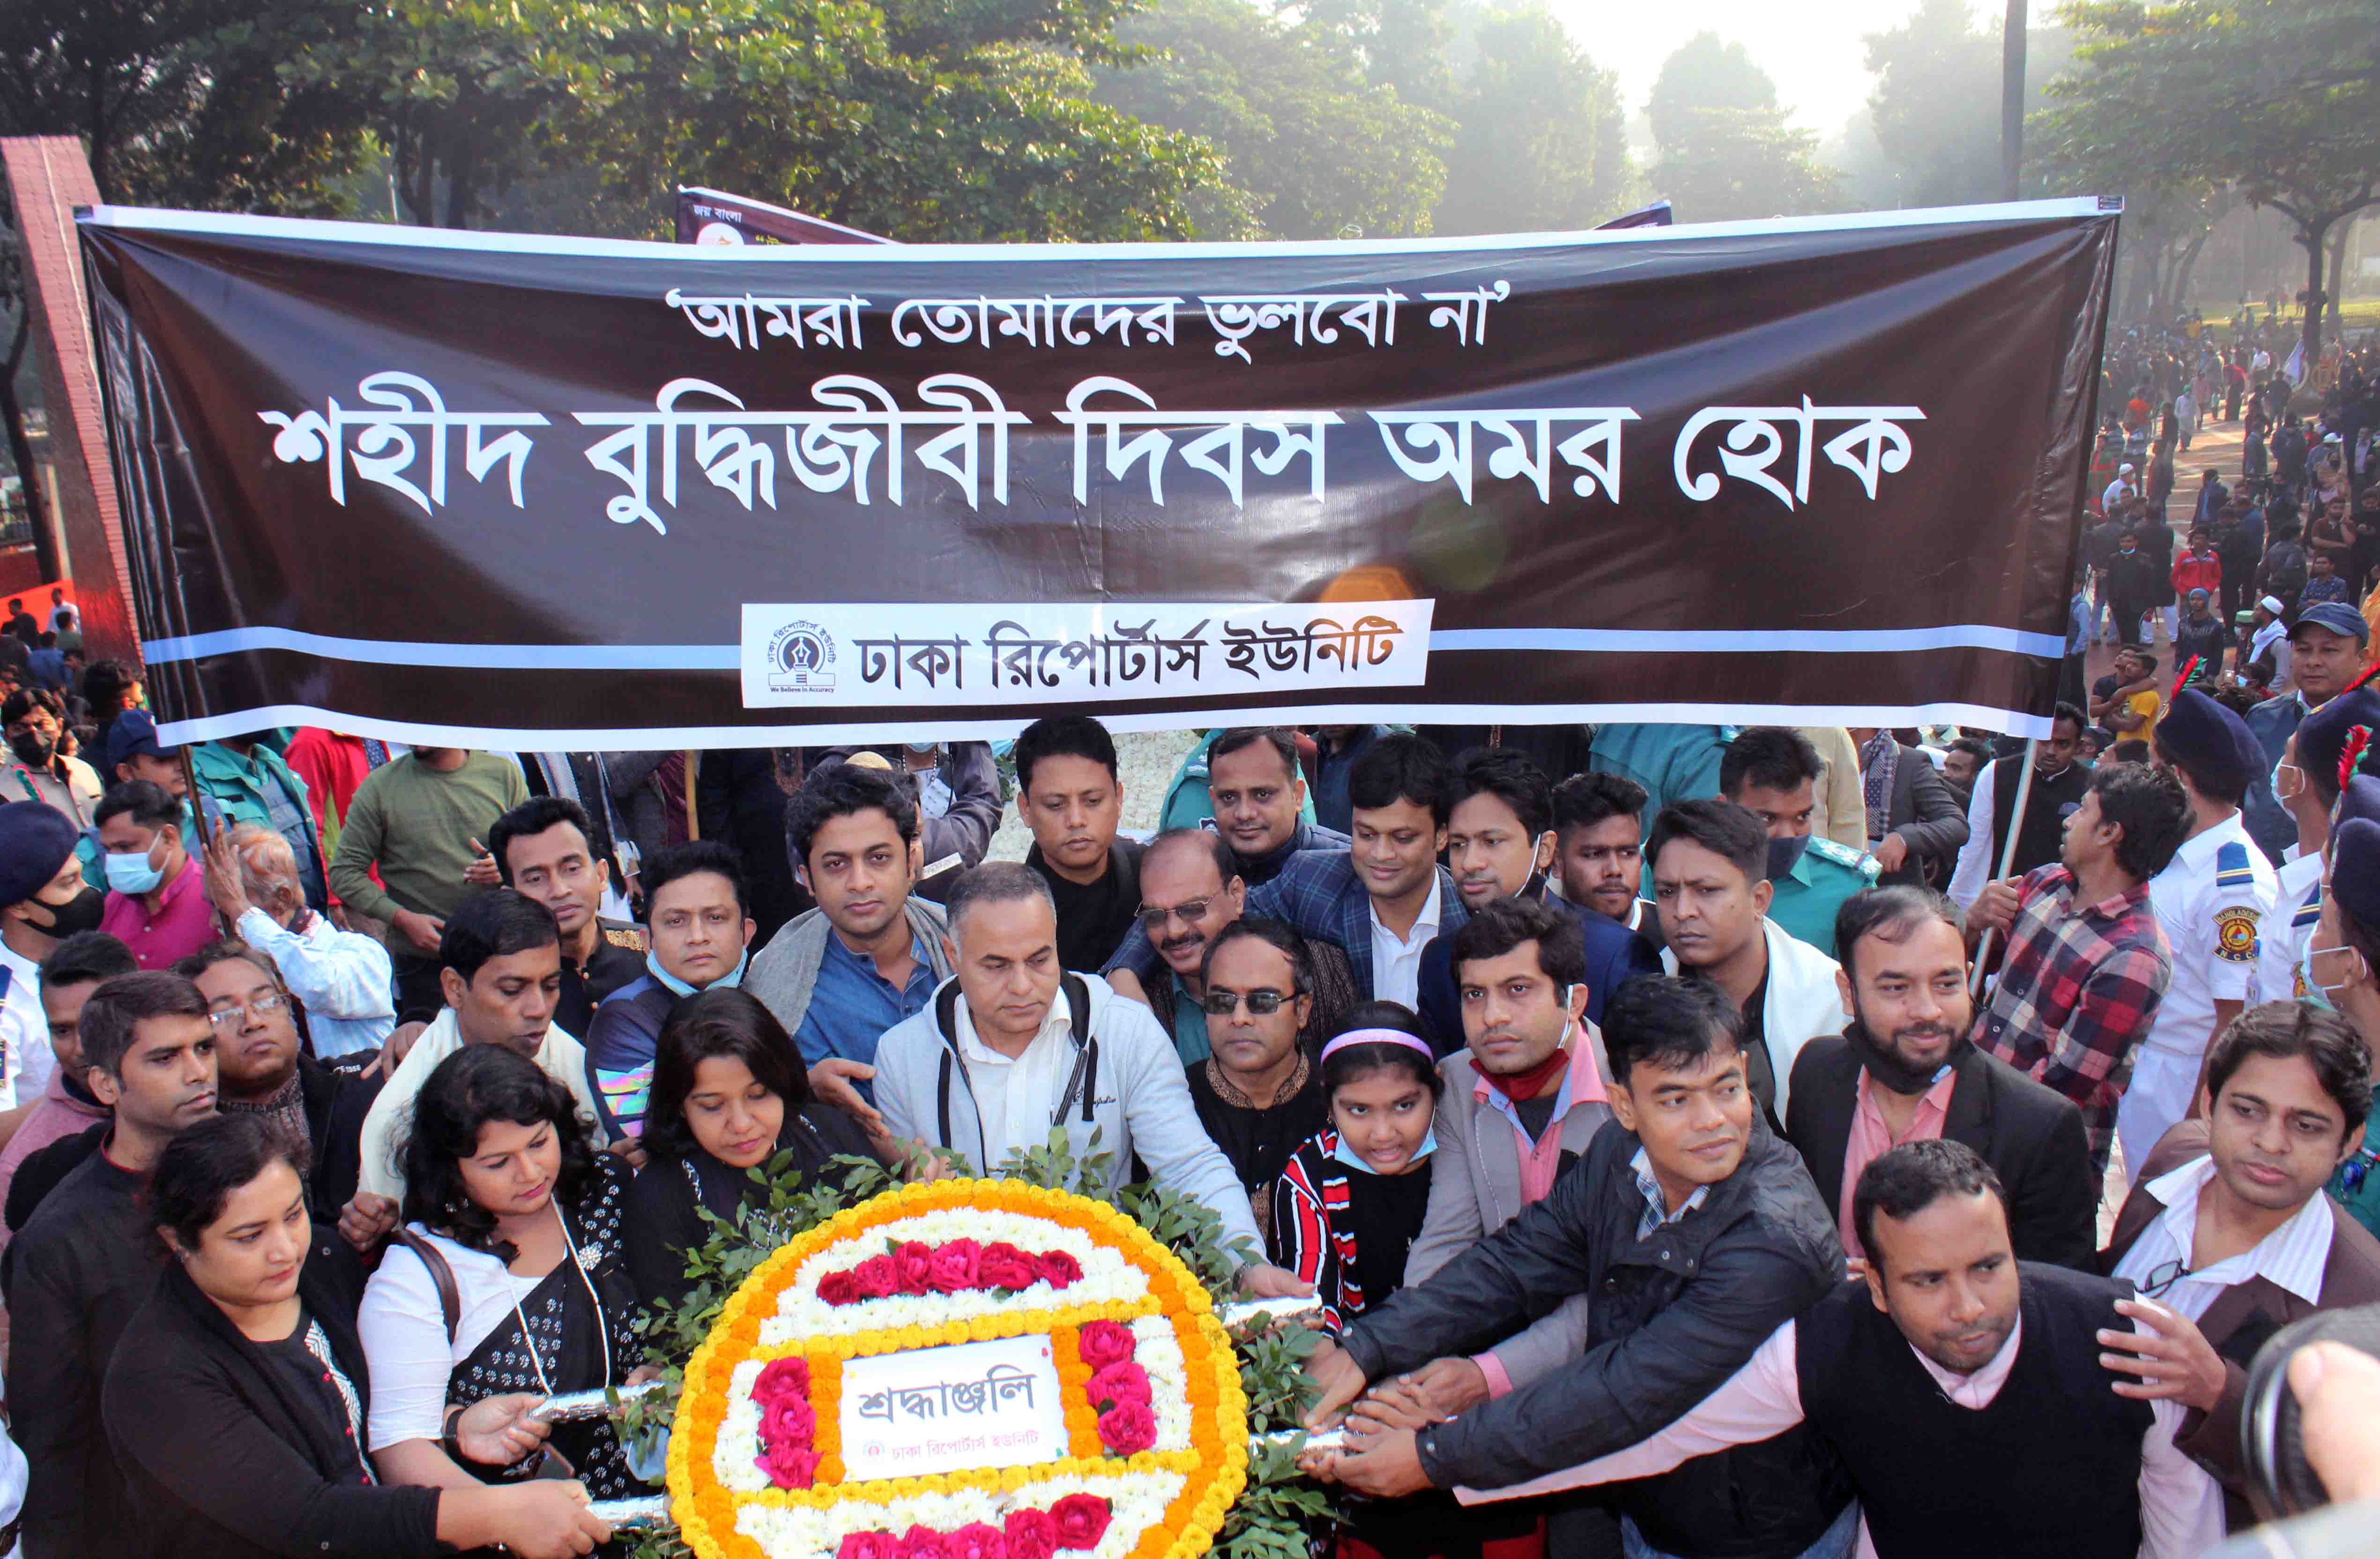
point(78, 913)
point(1889, 1069)
point(1784, 854)
point(34, 748)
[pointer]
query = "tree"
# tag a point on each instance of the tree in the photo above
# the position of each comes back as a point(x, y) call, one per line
point(1311, 146)
point(2013, 98)
point(1541, 139)
point(1938, 81)
point(2277, 98)
point(177, 102)
point(1407, 45)
point(1727, 153)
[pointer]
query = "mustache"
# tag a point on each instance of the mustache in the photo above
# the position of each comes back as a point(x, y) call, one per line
point(1174, 945)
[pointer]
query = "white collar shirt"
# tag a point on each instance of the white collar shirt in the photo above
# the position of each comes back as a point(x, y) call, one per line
point(2213, 901)
point(24, 1029)
point(1396, 960)
point(1015, 1095)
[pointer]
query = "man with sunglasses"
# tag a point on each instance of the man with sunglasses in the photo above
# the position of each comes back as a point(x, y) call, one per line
point(1190, 889)
point(1258, 1094)
point(2227, 1231)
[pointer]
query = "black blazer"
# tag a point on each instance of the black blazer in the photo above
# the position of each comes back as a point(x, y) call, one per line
point(2031, 1136)
point(223, 1463)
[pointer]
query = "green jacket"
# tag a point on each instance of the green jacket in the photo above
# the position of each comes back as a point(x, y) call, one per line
point(1807, 897)
point(238, 788)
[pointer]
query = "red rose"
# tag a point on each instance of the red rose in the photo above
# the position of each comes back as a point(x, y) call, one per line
point(953, 1268)
point(1002, 1265)
point(783, 1380)
point(1031, 1534)
point(1057, 1269)
point(788, 1467)
point(923, 1542)
point(915, 1261)
point(876, 1278)
point(1128, 1427)
point(1102, 1343)
point(1118, 1383)
point(788, 1421)
point(976, 1540)
point(837, 1288)
point(1081, 1521)
point(868, 1545)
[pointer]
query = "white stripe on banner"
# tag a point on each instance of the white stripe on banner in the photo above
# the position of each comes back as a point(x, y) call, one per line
point(304, 229)
point(726, 657)
point(239, 722)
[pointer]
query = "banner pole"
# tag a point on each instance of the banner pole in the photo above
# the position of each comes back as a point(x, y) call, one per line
point(199, 816)
point(2008, 858)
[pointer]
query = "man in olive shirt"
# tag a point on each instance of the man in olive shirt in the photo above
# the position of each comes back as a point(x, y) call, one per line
point(418, 818)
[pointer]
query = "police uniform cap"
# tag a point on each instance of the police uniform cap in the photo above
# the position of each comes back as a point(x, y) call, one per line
point(35, 839)
point(2211, 742)
point(2355, 869)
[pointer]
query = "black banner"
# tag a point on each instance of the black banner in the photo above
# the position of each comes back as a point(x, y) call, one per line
point(540, 493)
point(709, 216)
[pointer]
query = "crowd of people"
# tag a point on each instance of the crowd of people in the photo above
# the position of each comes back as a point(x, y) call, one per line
point(364, 1097)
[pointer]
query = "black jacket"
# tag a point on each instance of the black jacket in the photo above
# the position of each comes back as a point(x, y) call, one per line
point(1670, 1318)
point(223, 1460)
point(1613, 954)
point(1930, 817)
point(2031, 1136)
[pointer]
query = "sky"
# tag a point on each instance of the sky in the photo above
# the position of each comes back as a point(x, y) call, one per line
point(1811, 48)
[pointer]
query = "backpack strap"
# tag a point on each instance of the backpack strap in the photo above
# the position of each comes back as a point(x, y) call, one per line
point(450, 1299)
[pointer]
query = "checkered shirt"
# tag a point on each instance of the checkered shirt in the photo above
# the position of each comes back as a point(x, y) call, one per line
point(2076, 995)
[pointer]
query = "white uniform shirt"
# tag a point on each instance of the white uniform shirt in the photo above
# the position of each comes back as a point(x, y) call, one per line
point(1396, 960)
point(2213, 900)
point(2297, 905)
point(2292, 1255)
point(1015, 1095)
point(24, 1031)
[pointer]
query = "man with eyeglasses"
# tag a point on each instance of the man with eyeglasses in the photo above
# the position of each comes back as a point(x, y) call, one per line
point(260, 1069)
point(1191, 889)
point(2227, 1228)
point(1259, 1094)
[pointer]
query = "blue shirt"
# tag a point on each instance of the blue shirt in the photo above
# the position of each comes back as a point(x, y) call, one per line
point(852, 1006)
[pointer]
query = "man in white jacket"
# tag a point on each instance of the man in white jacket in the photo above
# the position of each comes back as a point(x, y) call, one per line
point(1710, 888)
point(1012, 1047)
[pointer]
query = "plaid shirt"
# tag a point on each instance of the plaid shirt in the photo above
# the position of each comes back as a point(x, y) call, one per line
point(2076, 995)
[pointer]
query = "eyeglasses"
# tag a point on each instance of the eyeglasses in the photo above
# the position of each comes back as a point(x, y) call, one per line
point(1190, 910)
point(1222, 1004)
point(2162, 1276)
point(237, 1015)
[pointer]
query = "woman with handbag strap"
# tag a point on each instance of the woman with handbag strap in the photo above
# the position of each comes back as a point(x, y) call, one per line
point(237, 1398)
point(510, 1277)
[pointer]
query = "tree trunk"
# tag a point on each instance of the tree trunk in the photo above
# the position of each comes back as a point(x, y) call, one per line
point(12, 412)
point(2339, 272)
point(2186, 267)
point(2312, 233)
point(2013, 98)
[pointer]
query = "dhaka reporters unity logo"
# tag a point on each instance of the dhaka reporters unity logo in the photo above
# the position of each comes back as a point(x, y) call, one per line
point(799, 656)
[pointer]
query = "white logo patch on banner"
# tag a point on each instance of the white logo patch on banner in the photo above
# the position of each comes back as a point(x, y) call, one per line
point(917, 655)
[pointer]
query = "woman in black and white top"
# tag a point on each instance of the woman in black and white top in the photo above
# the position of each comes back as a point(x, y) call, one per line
point(509, 1276)
point(729, 1095)
point(238, 1394)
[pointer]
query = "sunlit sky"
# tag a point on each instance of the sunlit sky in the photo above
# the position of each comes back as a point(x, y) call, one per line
point(1811, 48)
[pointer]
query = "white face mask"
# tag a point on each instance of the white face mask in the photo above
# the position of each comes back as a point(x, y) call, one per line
point(2326, 995)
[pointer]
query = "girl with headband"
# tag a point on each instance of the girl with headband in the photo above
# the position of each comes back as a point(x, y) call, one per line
point(1351, 1201)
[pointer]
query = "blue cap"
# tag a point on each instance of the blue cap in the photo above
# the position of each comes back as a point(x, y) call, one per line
point(35, 839)
point(134, 734)
point(2361, 799)
point(2322, 735)
point(2212, 743)
point(2355, 869)
point(2336, 616)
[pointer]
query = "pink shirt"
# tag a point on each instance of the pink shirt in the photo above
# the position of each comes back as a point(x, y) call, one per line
point(1763, 1399)
point(1872, 1137)
point(184, 922)
point(1540, 1160)
point(56, 1115)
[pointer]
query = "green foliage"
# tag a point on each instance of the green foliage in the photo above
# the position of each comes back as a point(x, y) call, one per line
point(1937, 105)
point(1541, 141)
point(1727, 153)
point(1273, 1513)
point(1311, 147)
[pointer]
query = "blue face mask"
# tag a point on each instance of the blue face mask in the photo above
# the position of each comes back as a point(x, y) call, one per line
point(1784, 854)
point(131, 874)
point(728, 981)
point(2313, 990)
point(1354, 1160)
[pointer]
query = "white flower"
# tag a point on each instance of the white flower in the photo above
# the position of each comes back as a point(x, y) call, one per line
point(1136, 1502)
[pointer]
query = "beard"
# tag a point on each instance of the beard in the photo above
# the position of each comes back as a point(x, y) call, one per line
point(1885, 1064)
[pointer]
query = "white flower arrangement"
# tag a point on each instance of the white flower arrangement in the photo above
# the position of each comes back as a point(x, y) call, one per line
point(1136, 1501)
point(1159, 1352)
point(1107, 1276)
point(735, 1460)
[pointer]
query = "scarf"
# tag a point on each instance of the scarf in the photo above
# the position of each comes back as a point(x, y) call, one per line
point(676, 986)
point(1518, 1086)
point(1879, 767)
point(284, 1111)
point(1891, 1071)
